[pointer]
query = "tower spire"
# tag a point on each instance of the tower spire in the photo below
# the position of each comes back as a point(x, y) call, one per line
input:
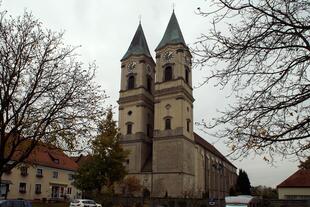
point(138, 45)
point(173, 34)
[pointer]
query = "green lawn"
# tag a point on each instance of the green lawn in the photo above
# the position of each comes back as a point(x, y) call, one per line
point(35, 204)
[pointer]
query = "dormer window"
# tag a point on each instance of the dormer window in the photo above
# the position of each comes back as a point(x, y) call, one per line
point(53, 158)
point(168, 73)
point(131, 82)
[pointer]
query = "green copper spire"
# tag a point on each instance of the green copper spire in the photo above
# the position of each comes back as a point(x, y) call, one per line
point(173, 34)
point(138, 45)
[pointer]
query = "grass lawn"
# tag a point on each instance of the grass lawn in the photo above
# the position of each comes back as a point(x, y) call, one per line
point(35, 204)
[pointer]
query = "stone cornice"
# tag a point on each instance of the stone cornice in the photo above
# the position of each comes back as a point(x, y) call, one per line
point(134, 138)
point(174, 90)
point(171, 134)
point(176, 79)
point(122, 91)
point(137, 99)
point(174, 172)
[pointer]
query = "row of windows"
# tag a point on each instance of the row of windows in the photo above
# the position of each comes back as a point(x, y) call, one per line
point(148, 129)
point(167, 77)
point(37, 189)
point(167, 126)
point(131, 83)
point(39, 173)
point(168, 74)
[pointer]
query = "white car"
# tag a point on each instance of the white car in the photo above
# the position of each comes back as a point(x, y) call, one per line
point(84, 203)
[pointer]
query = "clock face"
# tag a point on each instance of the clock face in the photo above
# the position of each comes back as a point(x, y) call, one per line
point(168, 56)
point(131, 66)
point(148, 69)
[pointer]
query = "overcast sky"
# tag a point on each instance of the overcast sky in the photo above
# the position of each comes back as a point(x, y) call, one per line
point(105, 29)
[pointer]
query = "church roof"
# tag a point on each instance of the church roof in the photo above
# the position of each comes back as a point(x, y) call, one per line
point(209, 147)
point(138, 45)
point(300, 178)
point(173, 34)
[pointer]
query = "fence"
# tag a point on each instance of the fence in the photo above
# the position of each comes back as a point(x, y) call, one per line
point(165, 202)
point(187, 202)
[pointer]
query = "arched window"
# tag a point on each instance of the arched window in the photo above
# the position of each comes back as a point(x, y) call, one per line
point(149, 84)
point(129, 128)
point(186, 75)
point(131, 82)
point(168, 73)
point(188, 124)
point(168, 123)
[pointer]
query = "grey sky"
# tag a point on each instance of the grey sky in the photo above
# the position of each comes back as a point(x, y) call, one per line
point(105, 29)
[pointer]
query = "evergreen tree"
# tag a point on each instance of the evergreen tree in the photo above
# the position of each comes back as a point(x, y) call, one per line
point(243, 185)
point(105, 165)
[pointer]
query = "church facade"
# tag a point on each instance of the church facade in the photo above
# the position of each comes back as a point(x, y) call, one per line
point(156, 122)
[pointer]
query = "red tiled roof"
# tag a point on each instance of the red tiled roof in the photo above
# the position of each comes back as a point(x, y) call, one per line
point(50, 157)
point(203, 143)
point(301, 178)
point(75, 158)
point(80, 159)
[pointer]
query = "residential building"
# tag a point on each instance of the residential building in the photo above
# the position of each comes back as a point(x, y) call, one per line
point(46, 174)
point(156, 122)
point(296, 187)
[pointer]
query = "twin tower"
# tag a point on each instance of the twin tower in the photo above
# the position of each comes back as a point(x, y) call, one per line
point(156, 113)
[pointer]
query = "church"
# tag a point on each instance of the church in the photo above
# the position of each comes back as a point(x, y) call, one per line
point(156, 122)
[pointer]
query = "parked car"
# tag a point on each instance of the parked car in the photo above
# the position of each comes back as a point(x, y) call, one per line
point(242, 201)
point(84, 203)
point(15, 203)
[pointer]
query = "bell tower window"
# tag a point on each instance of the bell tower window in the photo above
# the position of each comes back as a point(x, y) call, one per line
point(188, 124)
point(129, 128)
point(168, 73)
point(167, 123)
point(186, 75)
point(131, 82)
point(149, 84)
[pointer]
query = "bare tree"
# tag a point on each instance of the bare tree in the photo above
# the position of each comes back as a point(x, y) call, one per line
point(47, 96)
point(262, 49)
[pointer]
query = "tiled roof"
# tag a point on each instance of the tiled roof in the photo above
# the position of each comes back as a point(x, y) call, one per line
point(50, 157)
point(206, 145)
point(300, 178)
